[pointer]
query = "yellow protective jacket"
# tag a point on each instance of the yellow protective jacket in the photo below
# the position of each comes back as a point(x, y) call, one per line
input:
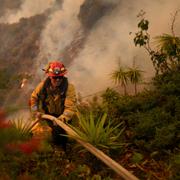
point(56, 102)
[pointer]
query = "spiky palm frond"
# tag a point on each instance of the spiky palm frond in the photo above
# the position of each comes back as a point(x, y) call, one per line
point(168, 44)
point(14, 131)
point(120, 76)
point(135, 75)
point(23, 127)
point(99, 132)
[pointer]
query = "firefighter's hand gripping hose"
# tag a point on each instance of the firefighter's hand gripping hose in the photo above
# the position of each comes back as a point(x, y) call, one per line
point(125, 174)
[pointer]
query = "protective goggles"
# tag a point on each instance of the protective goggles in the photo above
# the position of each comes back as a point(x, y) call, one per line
point(56, 70)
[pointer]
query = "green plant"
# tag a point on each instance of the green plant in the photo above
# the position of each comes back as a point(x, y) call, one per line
point(137, 157)
point(135, 76)
point(120, 76)
point(22, 126)
point(166, 56)
point(16, 137)
point(99, 132)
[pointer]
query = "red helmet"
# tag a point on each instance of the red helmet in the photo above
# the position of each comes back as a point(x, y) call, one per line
point(56, 68)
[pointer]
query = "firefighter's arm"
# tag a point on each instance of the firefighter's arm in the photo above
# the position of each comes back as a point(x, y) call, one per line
point(69, 104)
point(34, 99)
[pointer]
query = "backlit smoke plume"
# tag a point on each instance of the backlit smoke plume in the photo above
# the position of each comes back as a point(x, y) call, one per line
point(60, 31)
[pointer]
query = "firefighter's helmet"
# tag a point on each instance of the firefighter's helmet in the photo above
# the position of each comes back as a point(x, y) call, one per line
point(55, 68)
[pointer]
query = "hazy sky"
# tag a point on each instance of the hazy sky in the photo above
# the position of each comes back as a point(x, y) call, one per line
point(108, 41)
point(27, 9)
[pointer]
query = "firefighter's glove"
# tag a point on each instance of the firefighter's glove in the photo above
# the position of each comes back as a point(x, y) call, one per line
point(37, 115)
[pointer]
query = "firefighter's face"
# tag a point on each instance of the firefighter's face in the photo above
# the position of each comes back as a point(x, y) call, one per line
point(56, 80)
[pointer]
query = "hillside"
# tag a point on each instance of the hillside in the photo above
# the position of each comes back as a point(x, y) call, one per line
point(93, 10)
point(19, 42)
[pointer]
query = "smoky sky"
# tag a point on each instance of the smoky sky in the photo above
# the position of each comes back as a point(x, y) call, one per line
point(108, 42)
point(27, 9)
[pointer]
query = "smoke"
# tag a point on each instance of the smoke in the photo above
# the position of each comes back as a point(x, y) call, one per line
point(110, 41)
point(61, 28)
point(28, 8)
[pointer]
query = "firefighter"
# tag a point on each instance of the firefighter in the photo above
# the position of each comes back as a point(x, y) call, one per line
point(55, 96)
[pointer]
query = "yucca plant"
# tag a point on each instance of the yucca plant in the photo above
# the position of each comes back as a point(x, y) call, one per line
point(16, 136)
point(99, 132)
point(135, 76)
point(23, 127)
point(120, 76)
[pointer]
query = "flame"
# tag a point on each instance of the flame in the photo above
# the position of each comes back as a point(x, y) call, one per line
point(22, 85)
point(24, 81)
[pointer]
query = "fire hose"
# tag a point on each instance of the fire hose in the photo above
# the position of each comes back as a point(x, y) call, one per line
point(125, 174)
